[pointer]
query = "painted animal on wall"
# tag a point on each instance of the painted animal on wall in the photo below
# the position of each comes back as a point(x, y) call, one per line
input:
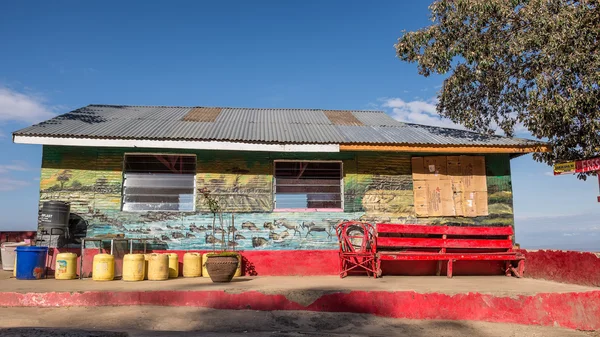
point(377, 188)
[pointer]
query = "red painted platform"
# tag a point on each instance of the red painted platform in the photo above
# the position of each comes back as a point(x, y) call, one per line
point(295, 280)
point(488, 298)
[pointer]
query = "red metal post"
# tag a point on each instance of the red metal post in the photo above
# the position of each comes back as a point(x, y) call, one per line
point(598, 174)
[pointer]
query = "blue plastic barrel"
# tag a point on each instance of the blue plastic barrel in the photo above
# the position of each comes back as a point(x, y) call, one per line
point(31, 262)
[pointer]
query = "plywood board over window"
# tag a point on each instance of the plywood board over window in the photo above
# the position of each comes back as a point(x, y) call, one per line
point(450, 186)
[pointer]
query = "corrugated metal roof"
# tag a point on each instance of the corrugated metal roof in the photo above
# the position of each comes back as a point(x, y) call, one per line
point(298, 126)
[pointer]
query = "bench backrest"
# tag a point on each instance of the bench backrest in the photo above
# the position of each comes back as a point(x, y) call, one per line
point(444, 237)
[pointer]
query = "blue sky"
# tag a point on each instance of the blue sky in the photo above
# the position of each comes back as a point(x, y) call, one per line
point(58, 56)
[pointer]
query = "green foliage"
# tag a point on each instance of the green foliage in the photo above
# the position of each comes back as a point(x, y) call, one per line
point(529, 62)
point(54, 188)
point(500, 197)
point(211, 202)
point(214, 204)
point(76, 184)
point(63, 177)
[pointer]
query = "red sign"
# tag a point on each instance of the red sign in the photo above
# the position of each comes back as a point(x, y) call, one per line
point(587, 165)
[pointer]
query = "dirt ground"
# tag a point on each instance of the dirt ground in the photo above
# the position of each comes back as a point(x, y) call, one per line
point(5, 275)
point(178, 321)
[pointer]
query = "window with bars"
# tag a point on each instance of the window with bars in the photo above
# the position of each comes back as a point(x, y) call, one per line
point(308, 185)
point(158, 182)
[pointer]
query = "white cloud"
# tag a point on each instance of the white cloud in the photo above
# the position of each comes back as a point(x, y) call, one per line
point(521, 131)
point(9, 184)
point(418, 112)
point(424, 112)
point(15, 165)
point(20, 107)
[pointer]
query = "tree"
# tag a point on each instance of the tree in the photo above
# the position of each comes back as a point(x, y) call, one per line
point(76, 185)
point(63, 177)
point(535, 63)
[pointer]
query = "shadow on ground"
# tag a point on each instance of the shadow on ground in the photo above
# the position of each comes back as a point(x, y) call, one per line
point(192, 321)
point(48, 332)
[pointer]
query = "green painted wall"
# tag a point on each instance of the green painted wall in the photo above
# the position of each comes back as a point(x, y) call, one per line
point(377, 187)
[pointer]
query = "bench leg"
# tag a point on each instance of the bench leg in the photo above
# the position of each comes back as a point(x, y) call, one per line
point(439, 269)
point(449, 273)
point(518, 272)
point(521, 267)
point(343, 266)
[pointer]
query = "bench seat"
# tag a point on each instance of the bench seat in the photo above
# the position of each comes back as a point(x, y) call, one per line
point(402, 242)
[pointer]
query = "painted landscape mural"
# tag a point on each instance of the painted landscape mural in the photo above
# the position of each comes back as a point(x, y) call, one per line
point(376, 187)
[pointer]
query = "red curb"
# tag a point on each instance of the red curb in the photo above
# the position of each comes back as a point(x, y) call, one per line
point(579, 310)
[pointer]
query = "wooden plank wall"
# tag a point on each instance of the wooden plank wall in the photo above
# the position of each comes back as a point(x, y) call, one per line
point(450, 186)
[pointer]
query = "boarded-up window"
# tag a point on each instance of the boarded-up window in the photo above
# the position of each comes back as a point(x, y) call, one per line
point(308, 185)
point(156, 182)
point(450, 186)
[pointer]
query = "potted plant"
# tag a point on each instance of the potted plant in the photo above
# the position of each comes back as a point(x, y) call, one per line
point(221, 266)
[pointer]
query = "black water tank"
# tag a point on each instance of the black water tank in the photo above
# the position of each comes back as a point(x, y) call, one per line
point(55, 214)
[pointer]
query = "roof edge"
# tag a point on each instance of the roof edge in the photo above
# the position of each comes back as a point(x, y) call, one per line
point(277, 147)
point(225, 107)
point(175, 144)
point(438, 148)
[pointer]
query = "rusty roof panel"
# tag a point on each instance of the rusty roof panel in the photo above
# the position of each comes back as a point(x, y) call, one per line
point(341, 117)
point(202, 115)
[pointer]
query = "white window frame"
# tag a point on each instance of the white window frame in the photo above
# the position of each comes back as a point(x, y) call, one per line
point(194, 197)
point(300, 210)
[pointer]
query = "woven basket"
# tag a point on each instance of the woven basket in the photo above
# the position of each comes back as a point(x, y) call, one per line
point(221, 268)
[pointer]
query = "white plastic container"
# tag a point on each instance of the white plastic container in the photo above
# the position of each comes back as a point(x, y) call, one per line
point(7, 250)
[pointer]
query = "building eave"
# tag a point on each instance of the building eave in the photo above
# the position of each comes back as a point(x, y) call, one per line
point(514, 150)
point(429, 148)
point(175, 144)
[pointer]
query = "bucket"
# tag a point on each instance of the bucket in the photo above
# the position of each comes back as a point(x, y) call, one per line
point(158, 267)
point(192, 265)
point(32, 262)
point(103, 267)
point(173, 265)
point(133, 267)
point(7, 251)
point(146, 259)
point(55, 214)
point(66, 266)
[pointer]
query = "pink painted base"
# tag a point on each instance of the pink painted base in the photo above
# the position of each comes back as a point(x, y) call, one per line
point(570, 310)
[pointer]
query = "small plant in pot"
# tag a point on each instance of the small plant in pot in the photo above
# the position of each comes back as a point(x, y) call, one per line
point(221, 266)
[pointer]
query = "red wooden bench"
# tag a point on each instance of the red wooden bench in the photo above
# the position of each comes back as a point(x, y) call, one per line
point(398, 242)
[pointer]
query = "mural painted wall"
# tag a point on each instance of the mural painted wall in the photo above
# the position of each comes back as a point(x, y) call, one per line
point(377, 187)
